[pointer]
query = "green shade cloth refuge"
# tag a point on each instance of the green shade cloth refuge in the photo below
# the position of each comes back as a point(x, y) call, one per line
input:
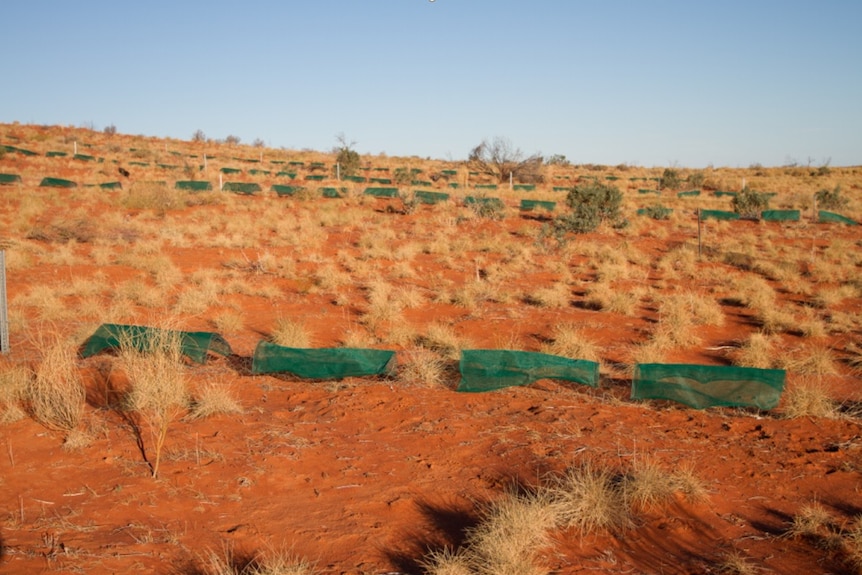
point(701, 386)
point(111, 186)
point(830, 217)
point(489, 369)
point(57, 183)
point(381, 192)
point(780, 215)
point(688, 194)
point(323, 363)
point(430, 197)
point(247, 188)
point(194, 344)
point(524, 187)
point(492, 202)
point(718, 215)
point(194, 185)
point(285, 190)
point(9, 179)
point(531, 205)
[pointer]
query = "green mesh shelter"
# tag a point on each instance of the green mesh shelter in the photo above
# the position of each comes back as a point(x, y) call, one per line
point(167, 166)
point(247, 188)
point(533, 205)
point(655, 212)
point(331, 193)
point(381, 169)
point(718, 215)
point(688, 194)
point(719, 194)
point(780, 215)
point(111, 186)
point(141, 164)
point(425, 183)
point(6, 179)
point(57, 183)
point(454, 185)
point(490, 369)
point(295, 163)
point(291, 175)
point(83, 157)
point(380, 180)
point(56, 154)
point(356, 179)
point(286, 190)
point(562, 189)
point(495, 203)
point(449, 172)
point(425, 197)
point(381, 192)
point(701, 386)
point(258, 172)
point(14, 150)
point(646, 191)
point(833, 218)
point(524, 187)
point(612, 178)
point(194, 185)
point(321, 363)
point(485, 186)
point(227, 170)
point(194, 344)
point(315, 178)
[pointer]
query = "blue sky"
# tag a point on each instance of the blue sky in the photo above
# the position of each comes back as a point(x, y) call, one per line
point(651, 83)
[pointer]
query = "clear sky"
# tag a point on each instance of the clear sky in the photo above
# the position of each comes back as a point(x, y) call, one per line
point(683, 83)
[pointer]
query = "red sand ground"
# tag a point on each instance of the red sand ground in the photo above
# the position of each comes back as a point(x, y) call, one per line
point(364, 476)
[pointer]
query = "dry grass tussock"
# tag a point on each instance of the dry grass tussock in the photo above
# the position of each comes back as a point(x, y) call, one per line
point(14, 381)
point(55, 395)
point(568, 340)
point(290, 333)
point(213, 398)
point(757, 351)
point(276, 563)
point(807, 396)
point(820, 528)
point(422, 367)
point(158, 391)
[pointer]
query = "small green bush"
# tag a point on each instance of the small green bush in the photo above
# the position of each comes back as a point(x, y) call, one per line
point(591, 203)
point(670, 179)
point(750, 203)
point(831, 200)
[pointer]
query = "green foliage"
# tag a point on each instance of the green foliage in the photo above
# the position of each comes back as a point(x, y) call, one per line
point(558, 160)
point(831, 200)
point(696, 179)
point(348, 159)
point(750, 203)
point(670, 179)
point(489, 208)
point(402, 176)
point(591, 203)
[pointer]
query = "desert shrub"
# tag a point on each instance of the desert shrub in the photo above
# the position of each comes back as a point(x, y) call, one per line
point(230, 563)
point(831, 199)
point(158, 387)
point(756, 351)
point(422, 367)
point(55, 394)
point(750, 203)
point(568, 340)
point(590, 203)
point(402, 176)
point(488, 208)
point(670, 179)
point(348, 159)
point(696, 179)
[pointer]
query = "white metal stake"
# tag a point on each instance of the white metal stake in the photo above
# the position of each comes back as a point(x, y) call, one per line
point(4, 318)
point(338, 171)
point(220, 184)
point(510, 180)
point(76, 146)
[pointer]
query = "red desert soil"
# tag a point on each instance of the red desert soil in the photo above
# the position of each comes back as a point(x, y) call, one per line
point(364, 476)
